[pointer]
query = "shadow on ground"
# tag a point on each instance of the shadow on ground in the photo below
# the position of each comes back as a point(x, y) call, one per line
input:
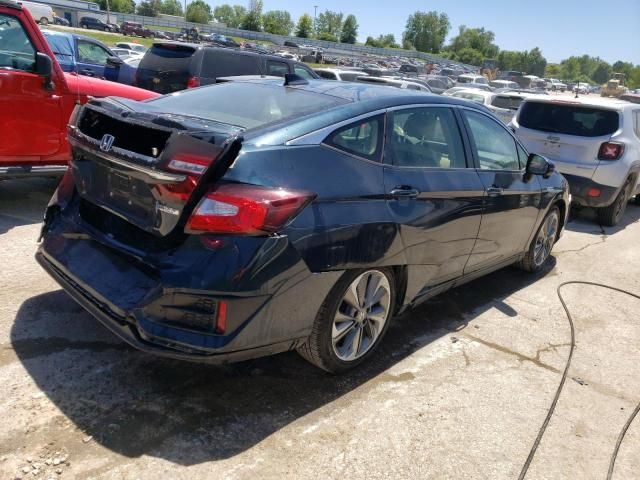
point(135, 404)
point(22, 202)
point(585, 220)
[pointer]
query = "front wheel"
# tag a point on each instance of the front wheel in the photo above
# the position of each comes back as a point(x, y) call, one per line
point(352, 320)
point(542, 244)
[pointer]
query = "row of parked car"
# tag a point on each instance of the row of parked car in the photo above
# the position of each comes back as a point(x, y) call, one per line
point(266, 214)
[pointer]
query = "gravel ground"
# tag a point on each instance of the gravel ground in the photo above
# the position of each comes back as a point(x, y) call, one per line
point(459, 389)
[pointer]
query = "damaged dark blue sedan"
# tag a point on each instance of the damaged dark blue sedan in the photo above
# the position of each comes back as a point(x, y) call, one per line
point(260, 215)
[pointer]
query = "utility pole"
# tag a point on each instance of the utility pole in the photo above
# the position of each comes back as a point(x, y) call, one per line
point(315, 21)
point(108, 13)
point(185, 10)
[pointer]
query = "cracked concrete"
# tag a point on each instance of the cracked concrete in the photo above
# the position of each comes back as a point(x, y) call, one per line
point(459, 388)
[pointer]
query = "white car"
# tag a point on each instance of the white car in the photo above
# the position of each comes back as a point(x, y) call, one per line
point(125, 53)
point(136, 47)
point(470, 78)
point(505, 84)
point(503, 105)
point(339, 74)
point(594, 143)
point(556, 85)
point(582, 88)
point(42, 14)
point(394, 82)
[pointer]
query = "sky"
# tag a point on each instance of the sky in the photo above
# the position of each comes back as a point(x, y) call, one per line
point(609, 29)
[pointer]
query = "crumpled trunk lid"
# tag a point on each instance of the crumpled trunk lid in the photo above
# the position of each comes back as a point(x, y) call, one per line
point(146, 167)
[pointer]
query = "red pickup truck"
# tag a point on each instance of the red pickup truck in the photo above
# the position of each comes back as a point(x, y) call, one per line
point(37, 98)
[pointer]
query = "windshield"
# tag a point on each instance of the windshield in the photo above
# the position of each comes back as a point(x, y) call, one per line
point(474, 97)
point(505, 101)
point(583, 121)
point(61, 46)
point(246, 105)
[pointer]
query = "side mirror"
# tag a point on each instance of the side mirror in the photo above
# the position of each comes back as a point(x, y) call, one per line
point(538, 165)
point(114, 61)
point(44, 66)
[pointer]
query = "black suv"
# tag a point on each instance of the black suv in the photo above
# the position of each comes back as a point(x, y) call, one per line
point(95, 24)
point(168, 67)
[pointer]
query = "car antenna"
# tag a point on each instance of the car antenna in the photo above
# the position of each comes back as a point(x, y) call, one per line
point(293, 79)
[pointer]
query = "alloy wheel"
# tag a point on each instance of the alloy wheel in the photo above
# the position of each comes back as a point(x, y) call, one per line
point(361, 315)
point(546, 238)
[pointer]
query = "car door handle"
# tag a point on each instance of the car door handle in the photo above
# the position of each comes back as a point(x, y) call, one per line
point(87, 72)
point(404, 192)
point(494, 191)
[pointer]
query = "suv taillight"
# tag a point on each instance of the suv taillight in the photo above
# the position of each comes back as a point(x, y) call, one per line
point(193, 82)
point(246, 209)
point(610, 151)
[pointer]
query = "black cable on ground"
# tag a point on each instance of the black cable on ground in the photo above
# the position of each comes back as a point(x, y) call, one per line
point(552, 408)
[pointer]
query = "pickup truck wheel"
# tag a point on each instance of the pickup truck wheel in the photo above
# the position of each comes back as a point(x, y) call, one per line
point(611, 215)
point(542, 244)
point(352, 320)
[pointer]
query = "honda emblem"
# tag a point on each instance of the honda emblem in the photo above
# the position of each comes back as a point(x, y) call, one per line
point(107, 142)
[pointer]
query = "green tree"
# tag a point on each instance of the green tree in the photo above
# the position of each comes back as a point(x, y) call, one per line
point(304, 29)
point(278, 22)
point(198, 11)
point(623, 67)
point(426, 31)
point(383, 41)
point(122, 6)
point(601, 73)
point(253, 19)
point(553, 70)
point(469, 55)
point(478, 39)
point(231, 16)
point(148, 8)
point(171, 7)
point(349, 32)
point(329, 25)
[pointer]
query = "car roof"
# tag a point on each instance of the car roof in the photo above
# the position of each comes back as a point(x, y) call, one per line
point(72, 35)
point(382, 96)
point(607, 103)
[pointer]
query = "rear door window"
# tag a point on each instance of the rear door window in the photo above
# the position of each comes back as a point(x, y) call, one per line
point(494, 147)
point(222, 63)
point(578, 120)
point(424, 137)
point(16, 51)
point(277, 69)
point(363, 138)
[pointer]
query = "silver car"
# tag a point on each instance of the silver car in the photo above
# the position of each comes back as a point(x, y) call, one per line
point(594, 143)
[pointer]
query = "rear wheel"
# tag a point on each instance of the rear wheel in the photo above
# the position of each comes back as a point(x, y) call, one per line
point(542, 244)
point(44, 21)
point(611, 215)
point(352, 320)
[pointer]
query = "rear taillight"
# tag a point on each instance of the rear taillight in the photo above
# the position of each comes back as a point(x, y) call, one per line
point(246, 209)
point(193, 166)
point(193, 82)
point(610, 151)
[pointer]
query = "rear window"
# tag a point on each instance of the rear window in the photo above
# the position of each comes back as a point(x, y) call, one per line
point(504, 101)
point(244, 104)
point(167, 59)
point(582, 121)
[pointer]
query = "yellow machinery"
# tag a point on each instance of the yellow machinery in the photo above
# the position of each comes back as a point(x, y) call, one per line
point(615, 86)
point(489, 69)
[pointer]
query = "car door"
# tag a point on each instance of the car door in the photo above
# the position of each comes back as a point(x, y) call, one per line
point(433, 192)
point(30, 114)
point(92, 58)
point(512, 200)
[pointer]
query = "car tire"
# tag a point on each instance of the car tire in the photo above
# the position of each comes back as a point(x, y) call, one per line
point(540, 248)
point(611, 215)
point(83, 26)
point(44, 21)
point(340, 327)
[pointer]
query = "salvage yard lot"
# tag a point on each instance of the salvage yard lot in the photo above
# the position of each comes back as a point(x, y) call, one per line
point(458, 389)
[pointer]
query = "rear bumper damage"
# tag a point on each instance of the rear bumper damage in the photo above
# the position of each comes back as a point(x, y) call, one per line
point(589, 193)
point(166, 303)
